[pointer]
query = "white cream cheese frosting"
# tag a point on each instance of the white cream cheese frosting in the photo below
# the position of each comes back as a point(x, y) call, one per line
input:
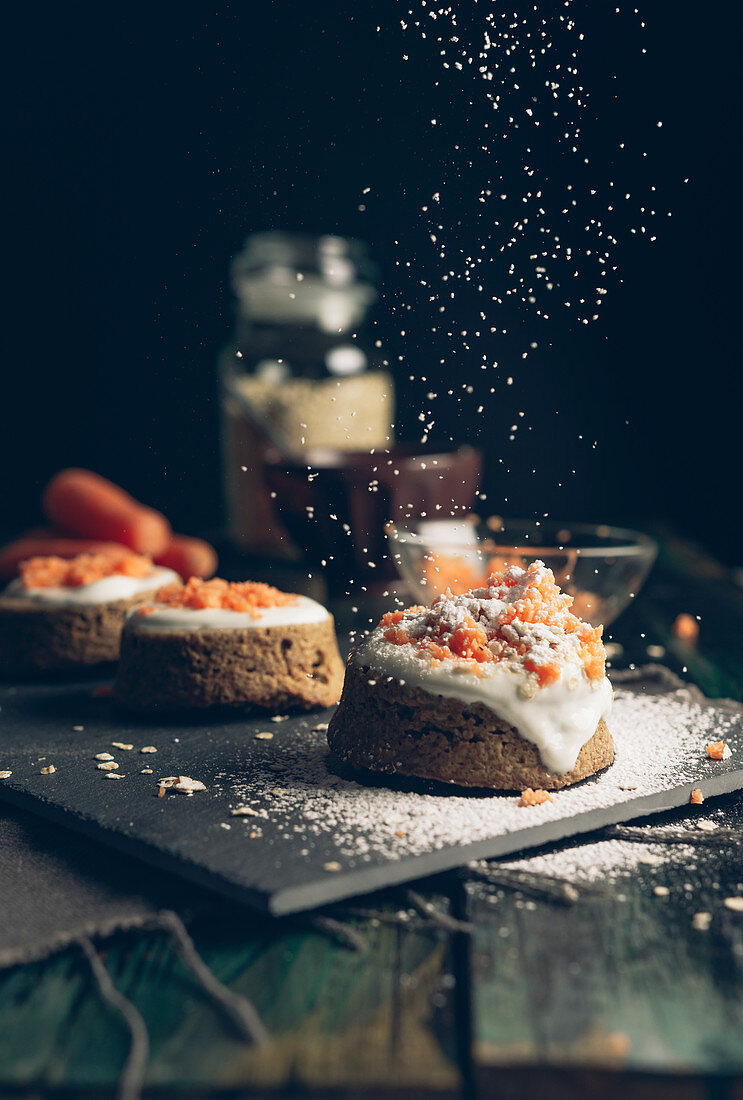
point(166, 618)
point(558, 715)
point(105, 590)
point(558, 718)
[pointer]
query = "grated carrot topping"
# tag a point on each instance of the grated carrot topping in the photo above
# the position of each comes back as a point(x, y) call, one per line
point(531, 797)
point(716, 750)
point(511, 624)
point(54, 572)
point(198, 594)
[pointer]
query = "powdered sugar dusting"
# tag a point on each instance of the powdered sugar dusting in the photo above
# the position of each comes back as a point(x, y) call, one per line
point(660, 743)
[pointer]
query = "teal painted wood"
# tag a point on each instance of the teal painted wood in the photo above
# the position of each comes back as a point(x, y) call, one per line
point(338, 1019)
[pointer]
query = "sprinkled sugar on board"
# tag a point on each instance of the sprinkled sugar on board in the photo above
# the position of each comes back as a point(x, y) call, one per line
point(307, 832)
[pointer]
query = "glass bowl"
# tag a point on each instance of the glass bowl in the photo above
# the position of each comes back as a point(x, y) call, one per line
point(602, 567)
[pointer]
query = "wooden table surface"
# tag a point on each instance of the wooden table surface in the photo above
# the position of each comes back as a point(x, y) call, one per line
point(611, 995)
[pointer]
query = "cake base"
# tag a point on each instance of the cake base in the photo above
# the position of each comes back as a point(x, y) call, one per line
point(386, 726)
point(271, 667)
point(36, 637)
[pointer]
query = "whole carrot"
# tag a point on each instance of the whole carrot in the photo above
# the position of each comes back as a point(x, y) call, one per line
point(190, 557)
point(46, 546)
point(87, 504)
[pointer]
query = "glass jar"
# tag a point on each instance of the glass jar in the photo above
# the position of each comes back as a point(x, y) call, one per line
point(301, 373)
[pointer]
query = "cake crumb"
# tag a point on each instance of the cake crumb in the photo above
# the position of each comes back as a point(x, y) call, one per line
point(661, 891)
point(103, 756)
point(696, 798)
point(279, 717)
point(333, 865)
point(718, 750)
point(48, 771)
point(701, 921)
point(78, 729)
point(244, 811)
point(264, 736)
point(5, 775)
point(148, 748)
point(146, 771)
point(122, 745)
point(531, 797)
point(735, 903)
point(107, 766)
point(114, 775)
point(706, 826)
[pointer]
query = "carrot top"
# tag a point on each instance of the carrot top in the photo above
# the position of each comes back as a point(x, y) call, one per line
point(236, 596)
point(54, 572)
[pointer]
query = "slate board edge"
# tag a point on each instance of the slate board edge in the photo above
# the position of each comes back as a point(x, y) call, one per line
point(353, 883)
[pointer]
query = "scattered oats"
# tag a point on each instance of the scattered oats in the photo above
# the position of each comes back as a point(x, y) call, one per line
point(279, 717)
point(78, 729)
point(121, 745)
point(168, 781)
point(148, 748)
point(184, 784)
point(146, 771)
point(335, 866)
point(661, 891)
point(244, 811)
point(224, 825)
point(114, 775)
point(107, 766)
point(701, 921)
point(5, 775)
point(265, 736)
point(48, 771)
point(628, 787)
point(707, 826)
point(736, 904)
point(103, 756)
point(320, 727)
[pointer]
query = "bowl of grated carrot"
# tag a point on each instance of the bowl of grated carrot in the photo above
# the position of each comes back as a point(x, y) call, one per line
point(603, 568)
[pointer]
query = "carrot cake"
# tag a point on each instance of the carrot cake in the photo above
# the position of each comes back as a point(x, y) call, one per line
point(499, 687)
point(212, 643)
point(60, 613)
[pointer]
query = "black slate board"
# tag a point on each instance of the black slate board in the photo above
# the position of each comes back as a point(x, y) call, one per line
point(317, 833)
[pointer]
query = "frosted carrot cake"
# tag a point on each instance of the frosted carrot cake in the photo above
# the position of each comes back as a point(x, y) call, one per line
point(214, 643)
point(499, 687)
point(68, 613)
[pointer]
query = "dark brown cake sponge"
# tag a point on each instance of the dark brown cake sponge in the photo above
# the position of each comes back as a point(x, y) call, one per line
point(44, 637)
point(274, 667)
point(386, 726)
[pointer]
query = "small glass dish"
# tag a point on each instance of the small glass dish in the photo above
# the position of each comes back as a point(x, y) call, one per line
point(602, 567)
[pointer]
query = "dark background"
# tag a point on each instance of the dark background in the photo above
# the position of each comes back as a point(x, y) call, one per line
point(142, 145)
